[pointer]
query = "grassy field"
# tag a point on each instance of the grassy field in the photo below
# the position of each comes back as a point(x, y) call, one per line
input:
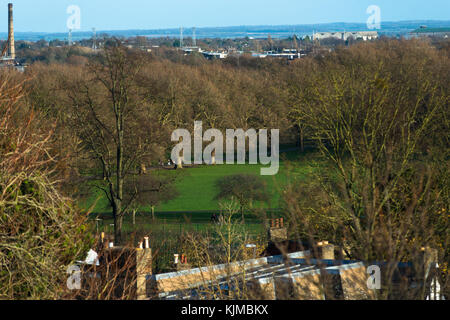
point(197, 190)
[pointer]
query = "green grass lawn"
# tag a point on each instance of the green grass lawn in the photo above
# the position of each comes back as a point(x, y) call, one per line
point(197, 190)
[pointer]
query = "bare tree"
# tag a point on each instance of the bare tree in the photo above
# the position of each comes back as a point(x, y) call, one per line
point(111, 117)
point(41, 231)
point(243, 188)
point(149, 190)
point(370, 122)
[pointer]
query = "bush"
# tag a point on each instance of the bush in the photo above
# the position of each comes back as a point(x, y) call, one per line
point(41, 232)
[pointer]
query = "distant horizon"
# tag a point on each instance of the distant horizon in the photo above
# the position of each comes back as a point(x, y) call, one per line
point(189, 28)
point(51, 16)
point(233, 26)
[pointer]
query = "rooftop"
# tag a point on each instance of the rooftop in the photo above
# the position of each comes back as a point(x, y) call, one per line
point(299, 275)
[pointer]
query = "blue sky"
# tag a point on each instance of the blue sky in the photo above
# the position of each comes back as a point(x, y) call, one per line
point(51, 16)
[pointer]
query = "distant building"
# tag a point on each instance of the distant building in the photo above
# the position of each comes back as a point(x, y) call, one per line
point(294, 51)
point(289, 54)
point(423, 31)
point(189, 50)
point(214, 55)
point(356, 35)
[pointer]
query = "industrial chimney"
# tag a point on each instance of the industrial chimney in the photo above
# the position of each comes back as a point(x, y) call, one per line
point(11, 46)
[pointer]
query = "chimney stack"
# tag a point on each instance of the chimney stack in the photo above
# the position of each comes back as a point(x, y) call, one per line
point(325, 251)
point(11, 46)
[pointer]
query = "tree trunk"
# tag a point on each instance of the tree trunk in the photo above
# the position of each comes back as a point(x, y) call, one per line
point(134, 217)
point(153, 212)
point(118, 219)
point(213, 158)
point(302, 139)
point(119, 179)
